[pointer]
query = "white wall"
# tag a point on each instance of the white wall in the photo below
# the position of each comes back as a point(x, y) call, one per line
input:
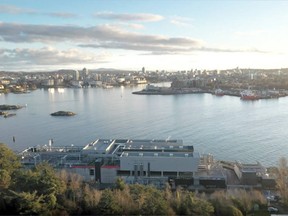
point(166, 164)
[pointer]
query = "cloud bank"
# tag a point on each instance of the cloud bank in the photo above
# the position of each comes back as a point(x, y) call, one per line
point(104, 36)
point(49, 56)
point(11, 9)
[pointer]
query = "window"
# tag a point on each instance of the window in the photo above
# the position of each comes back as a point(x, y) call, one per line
point(92, 172)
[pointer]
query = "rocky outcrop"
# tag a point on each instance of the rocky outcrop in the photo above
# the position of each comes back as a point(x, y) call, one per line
point(9, 107)
point(63, 113)
point(9, 115)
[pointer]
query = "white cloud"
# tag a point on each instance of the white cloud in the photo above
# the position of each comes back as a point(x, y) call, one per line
point(61, 15)
point(131, 25)
point(11, 9)
point(181, 21)
point(141, 17)
point(106, 36)
point(49, 56)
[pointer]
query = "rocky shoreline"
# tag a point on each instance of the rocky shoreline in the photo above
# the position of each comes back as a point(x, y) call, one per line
point(63, 113)
point(5, 107)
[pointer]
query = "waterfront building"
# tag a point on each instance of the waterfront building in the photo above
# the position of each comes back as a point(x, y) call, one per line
point(188, 83)
point(153, 161)
point(76, 83)
point(139, 80)
point(85, 72)
point(58, 81)
point(76, 75)
point(47, 82)
point(253, 175)
point(6, 81)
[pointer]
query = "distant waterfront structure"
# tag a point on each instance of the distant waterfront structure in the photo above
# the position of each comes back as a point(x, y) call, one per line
point(85, 72)
point(48, 82)
point(76, 75)
point(58, 81)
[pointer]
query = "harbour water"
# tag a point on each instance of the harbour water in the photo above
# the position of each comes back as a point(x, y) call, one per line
point(227, 127)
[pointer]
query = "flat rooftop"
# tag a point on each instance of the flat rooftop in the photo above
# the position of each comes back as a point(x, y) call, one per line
point(103, 145)
point(158, 154)
point(100, 145)
point(252, 168)
point(156, 145)
point(216, 171)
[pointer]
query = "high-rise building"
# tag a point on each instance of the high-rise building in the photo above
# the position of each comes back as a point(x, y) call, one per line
point(85, 72)
point(76, 75)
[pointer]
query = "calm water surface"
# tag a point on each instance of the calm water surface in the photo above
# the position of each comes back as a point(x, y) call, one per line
point(227, 127)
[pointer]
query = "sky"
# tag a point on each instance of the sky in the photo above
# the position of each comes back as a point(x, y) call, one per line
point(159, 35)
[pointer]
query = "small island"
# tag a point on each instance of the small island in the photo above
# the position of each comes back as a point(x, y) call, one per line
point(3, 113)
point(63, 113)
point(5, 107)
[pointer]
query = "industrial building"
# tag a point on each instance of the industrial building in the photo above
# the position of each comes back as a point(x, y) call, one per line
point(254, 175)
point(142, 161)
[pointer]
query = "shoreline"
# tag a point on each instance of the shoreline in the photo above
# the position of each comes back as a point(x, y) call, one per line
point(171, 91)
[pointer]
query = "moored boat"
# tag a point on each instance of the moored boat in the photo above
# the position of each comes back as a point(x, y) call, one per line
point(219, 92)
point(249, 95)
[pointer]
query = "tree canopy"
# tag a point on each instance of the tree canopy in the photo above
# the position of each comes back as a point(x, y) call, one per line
point(45, 191)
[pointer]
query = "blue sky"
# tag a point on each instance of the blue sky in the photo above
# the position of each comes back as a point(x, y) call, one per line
point(159, 34)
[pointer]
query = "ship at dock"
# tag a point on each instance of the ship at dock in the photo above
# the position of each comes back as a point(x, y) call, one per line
point(249, 95)
point(219, 92)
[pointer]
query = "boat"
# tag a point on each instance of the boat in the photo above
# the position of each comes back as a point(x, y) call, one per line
point(249, 95)
point(219, 92)
point(107, 86)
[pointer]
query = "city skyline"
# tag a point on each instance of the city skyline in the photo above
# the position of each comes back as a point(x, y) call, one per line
point(157, 35)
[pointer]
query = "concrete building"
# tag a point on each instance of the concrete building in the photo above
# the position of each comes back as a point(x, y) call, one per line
point(253, 175)
point(190, 83)
point(47, 82)
point(85, 72)
point(76, 75)
point(59, 81)
point(144, 161)
point(87, 172)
